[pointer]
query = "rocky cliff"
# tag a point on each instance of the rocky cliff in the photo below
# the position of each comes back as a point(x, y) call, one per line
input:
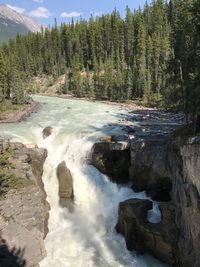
point(169, 170)
point(23, 205)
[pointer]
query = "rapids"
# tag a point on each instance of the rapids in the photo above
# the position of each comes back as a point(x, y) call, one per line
point(85, 238)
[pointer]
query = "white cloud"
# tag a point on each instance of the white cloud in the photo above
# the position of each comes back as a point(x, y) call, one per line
point(38, 1)
point(17, 9)
point(40, 12)
point(70, 14)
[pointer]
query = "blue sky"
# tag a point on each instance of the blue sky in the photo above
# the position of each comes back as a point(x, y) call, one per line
point(63, 10)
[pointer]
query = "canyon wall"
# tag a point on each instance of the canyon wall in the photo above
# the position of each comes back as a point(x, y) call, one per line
point(168, 169)
point(23, 206)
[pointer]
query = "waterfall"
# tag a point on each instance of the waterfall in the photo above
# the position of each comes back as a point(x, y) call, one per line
point(87, 236)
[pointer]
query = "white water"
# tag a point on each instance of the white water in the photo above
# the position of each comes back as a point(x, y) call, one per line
point(85, 238)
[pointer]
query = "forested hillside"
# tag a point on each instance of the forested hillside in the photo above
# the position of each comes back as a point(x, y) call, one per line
point(152, 54)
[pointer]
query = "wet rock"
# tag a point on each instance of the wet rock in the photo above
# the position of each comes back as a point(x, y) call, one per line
point(65, 186)
point(120, 138)
point(155, 162)
point(112, 159)
point(143, 236)
point(47, 131)
point(107, 138)
point(129, 129)
point(148, 170)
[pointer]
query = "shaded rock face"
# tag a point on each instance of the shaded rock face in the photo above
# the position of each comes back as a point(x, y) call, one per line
point(65, 186)
point(148, 170)
point(185, 165)
point(47, 131)
point(113, 159)
point(178, 234)
point(143, 236)
point(11, 257)
point(24, 210)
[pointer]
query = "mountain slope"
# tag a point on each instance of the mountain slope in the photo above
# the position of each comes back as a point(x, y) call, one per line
point(11, 23)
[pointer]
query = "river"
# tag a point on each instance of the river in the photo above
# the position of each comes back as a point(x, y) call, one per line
point(86, 237)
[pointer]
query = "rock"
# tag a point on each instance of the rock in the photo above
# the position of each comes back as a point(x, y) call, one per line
point(31, 146)
point(172, 167)
point(120, 138)
point(129, 129)
point(47, 131)
point(65, 186)
point(112, 159)
point(185, 167)
point(143, 236)
point(11, 257)
point(24, 209)
point(107, 138)
point(148, 170)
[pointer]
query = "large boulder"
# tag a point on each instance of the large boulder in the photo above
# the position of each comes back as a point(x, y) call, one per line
point(112, 159)
point(47, 131)
point(143, 236)
point(65, 186)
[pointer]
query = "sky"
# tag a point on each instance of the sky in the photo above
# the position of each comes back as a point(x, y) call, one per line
point(45, 11)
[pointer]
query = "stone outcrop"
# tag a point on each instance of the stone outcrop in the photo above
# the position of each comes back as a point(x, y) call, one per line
point(185, 167)
point(168, 169)
point(23, 206)
point(148, 170)
point(47, 131)
point(113, 159)
point(177, 161)
point(143, 236)
point(65, 186)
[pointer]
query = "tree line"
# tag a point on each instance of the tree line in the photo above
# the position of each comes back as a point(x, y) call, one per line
point(152, 54)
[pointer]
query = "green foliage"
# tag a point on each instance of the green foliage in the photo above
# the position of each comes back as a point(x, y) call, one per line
point(10, 181)
point(3, 74)
point(7, 107)
point(5, 157)
point(153, 55)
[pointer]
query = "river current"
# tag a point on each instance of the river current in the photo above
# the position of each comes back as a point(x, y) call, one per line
point(86, 237)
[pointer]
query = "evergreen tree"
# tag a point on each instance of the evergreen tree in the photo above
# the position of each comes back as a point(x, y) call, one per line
point(154, 53)
point(3, 74)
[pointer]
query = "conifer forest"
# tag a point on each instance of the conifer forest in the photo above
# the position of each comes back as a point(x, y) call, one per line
point(152, 54)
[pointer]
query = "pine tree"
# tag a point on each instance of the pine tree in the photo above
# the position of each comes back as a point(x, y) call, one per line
point(3, 74)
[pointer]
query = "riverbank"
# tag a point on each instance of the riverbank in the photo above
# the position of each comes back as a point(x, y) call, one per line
point(18, 113)
point(128, 105)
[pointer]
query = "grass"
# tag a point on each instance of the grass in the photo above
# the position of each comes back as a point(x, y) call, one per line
point(6, 156)
point(10, 181)
point(7, 107)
